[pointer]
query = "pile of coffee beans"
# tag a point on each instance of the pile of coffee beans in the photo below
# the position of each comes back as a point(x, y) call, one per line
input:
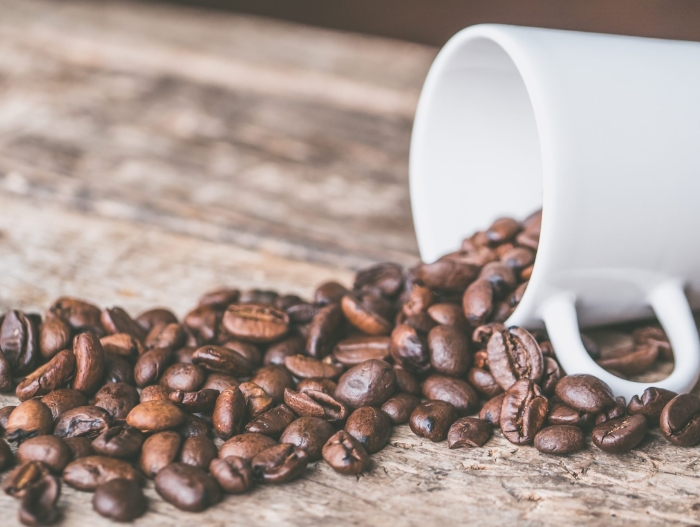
point(250, 387)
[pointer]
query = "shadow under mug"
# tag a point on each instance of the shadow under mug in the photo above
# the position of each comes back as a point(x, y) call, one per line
point(603, 133)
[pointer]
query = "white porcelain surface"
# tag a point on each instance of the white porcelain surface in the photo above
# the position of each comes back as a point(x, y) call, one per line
point(603, 131)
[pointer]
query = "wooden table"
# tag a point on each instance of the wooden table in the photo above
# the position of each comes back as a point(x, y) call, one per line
point(149, 153)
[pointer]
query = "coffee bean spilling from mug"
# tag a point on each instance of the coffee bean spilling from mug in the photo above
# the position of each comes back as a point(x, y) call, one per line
point(107, 400)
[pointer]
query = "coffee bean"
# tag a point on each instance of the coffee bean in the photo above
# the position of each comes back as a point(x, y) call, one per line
point(273, 422)
point(5, 412)
point(185, 377)
point(152, 317)
point(620, 435)
point(233, 474)
point(631, 362)
point(85, 421)
point(87, 473)
point(159, 451)
point(614, 412)
point(31, 418)
point(246, 446)
point(117, 398)
point(51, 450)
point(329, 293)
point(154, 393)
point(410, 349)
point(23, 477)
point(454, 391)
point(116, 320)
point(446, 314)
point(311, 403)
point(7, 458)
point(255, 323)
point(203, 323)
point(5, 374)
point(560, 439)
point(19, 342)
point(38, 505)
point(584, 392)
point(514, 354)
point(369, 426)
point(477, 302)
point(247, 350)
point(502, 230)
point(292, 345)
point(361, 315)
point(186, 487)
point(680, 420)
point(345, 454)
point(561, 414)
point(355, 350)
point(433, 419)
point(501, 277)
point(80, 315)
point(89, 363)
point(155, 416)
point(274, 380)
point(122, 345)
point(326, 386)
point(367, 384)
point(229, 413)
point(468, 432)
point(421, 322)
point(79, 447)
point(55, 373)
point(307, 367)
point(117, 369)
point(419, 299)
point(263, 297)
point(220, 381)
point(257, 401)
point(194, 426)
point(120, 441)
point(491, 411)
point(523, 413)
point(483, 382)
point(406, 381)
point(651, 404)
point(518, 258)
point(279, 464)
point(198, 452)
point(309, 434)
point(55, 335)
point(399, 407)
point(447, 274)
point(199, 401)
point(323, 331)
point(550, 377)
point(120, 500)
point(151, 365)
point(222, 360)
point(449, 351)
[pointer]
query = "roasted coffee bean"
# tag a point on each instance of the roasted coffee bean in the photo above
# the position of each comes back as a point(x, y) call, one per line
point(680, 420)
point(151, 365)
point(399, 407)
point(87, 473)
point(117, 369)
point(5, 412)
point(447, 274)
point(55, 335)
point(276, 353)
point(121, 441)
point(222, 360)
point(432, 419)
point(79, 447)
point(257, 401)
point(186, 487)
point(307, 367)
point(457, 392)
point(80, 315)
point(633, 361)
point(501, 277)
point(5, 374)
point(368, 384)
point(361, 315)
point(55, 373)
point(345, 454)
point(229, 413)
point(484, 382)
point(550, 377)
point(184, 355)
point(514, 354)
point(155, 416)
point(117, 398)
point(477, 302)
point(198, 452)
point(561, 414)
point(614, 412)
point(301, 313)
point(116, 320)
point(220, 381)
point(312, 403)
point(620, 435)
point(355, 350)
point(419, 299)
point(152, 317)
point(154, 393)
point(171, 336)
point(655, 335)
point(263, 297)
point(482, 334)
point(410, 349)
point(651, 404)
point(326, 386)
point(420, 322)
point(159, 451)
point(584, 392)
point(38, 505)
point(194, 426)
point(446, 314)
point(199, 401)
point(560, 439)
point(23, 477)
point(255, 323)
point(85, 421)
point(233, 474)
point(120, 500)
point(203, 322)
point(220, 298)
point(30, 419)
point(523, 413)
point(449, 351)
point(19, 342)
point(329, 293)
point(273, 422)
point(491, 411)
point(273, 380)
point(6, 456)
point(406, 381)
point(279, 464)
point(323, 331)
point(468, 432)
point(369, 426)
point(246, 446)
point(518, 258)
point(50, 450)
point(502, 230)
point(248, 351)
point(122, 345)
point(309, 434)
point(386, 278)
point(89, 363)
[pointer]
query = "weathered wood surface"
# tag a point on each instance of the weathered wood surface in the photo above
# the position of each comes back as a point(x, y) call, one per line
point(150, 153)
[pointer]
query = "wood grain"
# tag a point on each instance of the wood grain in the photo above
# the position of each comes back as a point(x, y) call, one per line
point(130, 176)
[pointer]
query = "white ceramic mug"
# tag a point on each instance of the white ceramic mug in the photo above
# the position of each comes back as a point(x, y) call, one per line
point(603, 132)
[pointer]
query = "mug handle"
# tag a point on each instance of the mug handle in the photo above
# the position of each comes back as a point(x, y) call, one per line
point(673, 311)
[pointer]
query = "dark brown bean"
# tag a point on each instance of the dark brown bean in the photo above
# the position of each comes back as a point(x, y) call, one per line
point(255, 323)
point(614, 412)
point(155, 416)
point(120, 441)
point(19, 342)
point(307, 367)
point(50, 450)
point(55, 335)
point(483, 382)
point(273, 422)
point(309, 434)
point(83, 421)
point(345, 454)
point(5, 374)
point(116, 320)
point(203, 322)
point(199, 401)
point(399, 407)
point(117, 369)
point(410, 349)
point(198, 452)
point(561, 414)
point(186, 487)
point(248, 351)
point(620, 435)
point(523, 413)
point(457, 392)
point(406, 381)
point(369, 426)
point(87, 473)
point(368, 384)
point(89, 363)
point(550, 377)
point(491, 411)
point(229, 413)
point(433, 419)
point(311, 403)
point(355, 350)
point(31, 418)
point(120, 500)
point(514, 354)
point(257, 401)
point(449, 351)
point(518, 258)
point(651, 404)
point(633, 361)
point(329, 293)
point(194, 426)
point(448, 274)
point(151, 365)
point(279, 464)
point(292, 345)
point(361, 315)
point(154, 393)
point(80, 315)
point(680, 420)
point(5, 412)
point(584, 392)
point(159, 451)
point(447, 314)
point(274, 380)
point(220, 381)
point(7, 458)
point(54, 374)
point(323, 331)
point(222, 360)
point(23, 477)
point(477, 302)
point(385, 277)
point(326, 386)
point(468, 432)
point(117, 398)
point(122, 345)
point(246, 446)
point(234, 474)
point(560, 439)
point(38, 505)
point(79, 447)
point(185, 377)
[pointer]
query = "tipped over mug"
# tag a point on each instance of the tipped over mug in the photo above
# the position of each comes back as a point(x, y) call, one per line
point(603, 133)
